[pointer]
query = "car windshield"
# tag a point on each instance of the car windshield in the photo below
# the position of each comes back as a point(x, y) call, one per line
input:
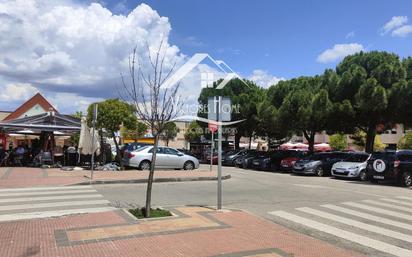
point(357, 158)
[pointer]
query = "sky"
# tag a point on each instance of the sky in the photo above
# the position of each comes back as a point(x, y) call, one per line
point(73, 51)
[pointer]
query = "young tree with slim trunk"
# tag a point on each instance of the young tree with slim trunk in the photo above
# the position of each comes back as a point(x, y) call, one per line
point(155, 105)
point(111, 115)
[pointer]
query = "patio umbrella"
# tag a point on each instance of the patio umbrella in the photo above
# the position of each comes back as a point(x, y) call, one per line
point(85, 140)
point(323, 147)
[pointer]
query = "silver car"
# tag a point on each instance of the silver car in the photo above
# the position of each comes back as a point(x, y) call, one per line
point(166, 157)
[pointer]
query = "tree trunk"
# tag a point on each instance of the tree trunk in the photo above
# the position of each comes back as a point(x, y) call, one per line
point(150, 180)
point(167, 142)
point(118, 155)
point(250, 142)
point(310, 137)
point(370, 138)
point(237, 141)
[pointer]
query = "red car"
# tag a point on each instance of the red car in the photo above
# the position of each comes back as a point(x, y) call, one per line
point(214, 158)
point(286, 164)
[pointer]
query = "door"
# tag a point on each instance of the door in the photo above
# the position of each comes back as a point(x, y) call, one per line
point(173, 159)
point(161, 160)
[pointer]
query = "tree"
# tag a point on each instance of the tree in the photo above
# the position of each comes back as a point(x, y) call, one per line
point(338, 142)
point(367, 81)
point(155, 104)
point(139, 130)
point(406, 141)
point(111, 115)
point(170, 132)
point(306, 109)
point(193, 132)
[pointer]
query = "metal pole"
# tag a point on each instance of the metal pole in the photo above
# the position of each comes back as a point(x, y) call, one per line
point(219, 168)
point(211, 151)
point(93, 129)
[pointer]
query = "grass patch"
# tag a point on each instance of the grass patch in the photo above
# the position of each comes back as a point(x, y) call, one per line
point(154, 213)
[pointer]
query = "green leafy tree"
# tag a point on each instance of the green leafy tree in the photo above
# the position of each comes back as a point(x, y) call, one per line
point(338, 142)
point(139, 130)
point(244, 97)
point(367, 81)
point(406, 141)
point(306, 110)
point(170, 132)
point(111, 115)
point(193, 132)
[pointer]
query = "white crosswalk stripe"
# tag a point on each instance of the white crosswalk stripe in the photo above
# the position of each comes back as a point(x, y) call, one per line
point(382, 225)
point(44, 202)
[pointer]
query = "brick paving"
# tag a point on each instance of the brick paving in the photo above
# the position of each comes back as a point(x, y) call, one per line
point(30, 177)
point(195, 232)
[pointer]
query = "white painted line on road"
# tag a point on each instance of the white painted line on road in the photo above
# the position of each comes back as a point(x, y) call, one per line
point(368, 216)
point(401, 208)
point(54, 204)
point(42, 188)
point(396, 201)
point(354, 223)
point(49, 214)
point(405, 198)
point(49, 192)
point(379, 210)
point(358, 239)
point(47, 198)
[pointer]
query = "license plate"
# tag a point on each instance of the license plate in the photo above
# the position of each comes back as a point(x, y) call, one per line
point(378, 177)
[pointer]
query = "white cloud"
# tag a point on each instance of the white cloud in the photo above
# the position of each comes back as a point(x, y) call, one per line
point(395, 22)
point(65, 47)
point(17, 92)
point(350, 35)
point(402, 31)
point(264, 79)
point(338, 52)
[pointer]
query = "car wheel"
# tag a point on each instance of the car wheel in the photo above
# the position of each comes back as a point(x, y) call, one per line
point(407, 179)
point(145, 165)
point(363, 176)
point(319, 171)
point(189, 165)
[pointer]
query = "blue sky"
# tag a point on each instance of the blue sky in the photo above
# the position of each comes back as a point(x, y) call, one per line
point(73, 51)
point(283, 38)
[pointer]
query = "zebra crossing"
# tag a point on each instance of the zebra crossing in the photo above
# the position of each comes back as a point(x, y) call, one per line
point(383, 225)
point(45, 202)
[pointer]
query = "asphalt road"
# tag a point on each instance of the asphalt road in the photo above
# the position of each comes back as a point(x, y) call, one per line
point(278, 197)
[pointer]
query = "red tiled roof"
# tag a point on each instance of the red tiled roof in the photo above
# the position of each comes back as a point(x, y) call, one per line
point(36, 99)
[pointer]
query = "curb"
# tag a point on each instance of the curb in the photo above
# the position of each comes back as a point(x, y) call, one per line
point(155, 180)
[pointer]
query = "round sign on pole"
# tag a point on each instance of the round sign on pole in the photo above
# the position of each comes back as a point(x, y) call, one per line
point(212, 127)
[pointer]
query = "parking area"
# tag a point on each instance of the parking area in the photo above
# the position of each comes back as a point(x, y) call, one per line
point(345, 213)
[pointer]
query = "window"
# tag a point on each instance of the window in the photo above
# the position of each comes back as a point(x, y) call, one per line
point(159, 150)
point(171, 151)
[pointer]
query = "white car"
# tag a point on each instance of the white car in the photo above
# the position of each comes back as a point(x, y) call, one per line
point(352, 167)
point(166, 157)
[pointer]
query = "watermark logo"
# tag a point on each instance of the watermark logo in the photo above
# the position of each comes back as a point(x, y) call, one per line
point(207, 79)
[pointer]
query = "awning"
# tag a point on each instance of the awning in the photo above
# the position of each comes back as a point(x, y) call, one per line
point(49, 121)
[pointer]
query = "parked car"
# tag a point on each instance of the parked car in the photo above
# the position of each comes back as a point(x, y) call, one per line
point(230, 157)
point(319, 164)
point(262, 161)
point(289, 158)
point(354, 166)
point(246, 161)
point(166, 157)
point(391, 165)
point(130, 147)
point(214, 158)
